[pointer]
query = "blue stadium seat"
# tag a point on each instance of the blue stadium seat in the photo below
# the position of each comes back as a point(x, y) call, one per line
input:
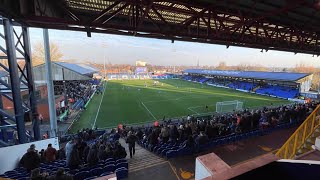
point(122, 164)
point(121, 160)
point(121, 173)
point(96, 171)
point(74, 171)
point(106, 174)
point(81, 175)
point(89, 178)
point(23, 178)
point(171, 154)
point(109, 168)
point(109, 163)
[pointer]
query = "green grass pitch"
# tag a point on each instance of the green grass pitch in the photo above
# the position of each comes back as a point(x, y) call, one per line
point(130, 102)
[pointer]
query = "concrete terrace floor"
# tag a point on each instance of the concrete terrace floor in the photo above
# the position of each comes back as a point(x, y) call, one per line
point(148, 166)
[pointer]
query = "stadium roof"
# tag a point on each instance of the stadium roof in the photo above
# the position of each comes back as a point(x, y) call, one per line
point(287, 25)
point(79, 68)
point(3, 73)
point(275, 76)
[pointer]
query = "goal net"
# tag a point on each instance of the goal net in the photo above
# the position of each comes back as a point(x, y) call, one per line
point(228, 106)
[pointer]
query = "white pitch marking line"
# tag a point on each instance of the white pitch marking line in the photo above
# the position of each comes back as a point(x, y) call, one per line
point(193, 111)
point(95, 120)
point(148, 110)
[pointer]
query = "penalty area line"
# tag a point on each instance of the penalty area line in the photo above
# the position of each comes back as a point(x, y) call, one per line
point(148, 110)
point(193, 111)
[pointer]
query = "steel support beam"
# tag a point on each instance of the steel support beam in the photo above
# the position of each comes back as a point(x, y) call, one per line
point(224, 22)
point(51, 100)
point(64, 89)
point(15, 82)
point(2, 123)
point(30, 82)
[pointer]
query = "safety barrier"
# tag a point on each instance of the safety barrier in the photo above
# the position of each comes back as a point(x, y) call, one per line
point(300, 136)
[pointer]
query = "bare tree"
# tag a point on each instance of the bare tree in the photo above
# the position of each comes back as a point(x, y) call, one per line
point(38, 53)
point(303, 68)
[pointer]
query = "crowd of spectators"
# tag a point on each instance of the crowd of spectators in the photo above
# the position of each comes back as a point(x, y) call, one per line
point(83, 150)
point(80, 152)
point(32, 159)
point(194, 131)
point(74, 89)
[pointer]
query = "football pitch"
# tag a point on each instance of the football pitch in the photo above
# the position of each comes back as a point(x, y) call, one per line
point(139, 101)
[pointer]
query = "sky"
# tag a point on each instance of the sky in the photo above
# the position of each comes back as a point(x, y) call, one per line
point(128, 49)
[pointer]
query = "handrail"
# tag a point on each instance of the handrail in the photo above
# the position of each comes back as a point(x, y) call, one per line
point(300, 136)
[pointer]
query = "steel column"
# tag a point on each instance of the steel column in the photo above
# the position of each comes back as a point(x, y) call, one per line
point(15, 81)
point(64, 90)
point(51, 100)
point(30, 81)
point(3, 131)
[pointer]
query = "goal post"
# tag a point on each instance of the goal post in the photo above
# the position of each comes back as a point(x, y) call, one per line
point(228, 106)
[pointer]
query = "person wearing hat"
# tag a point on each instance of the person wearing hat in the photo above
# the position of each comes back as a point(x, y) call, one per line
point(31, 159)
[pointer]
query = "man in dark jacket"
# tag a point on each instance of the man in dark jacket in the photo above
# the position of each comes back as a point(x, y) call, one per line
point(202, 139)
point(119, 152)
point(92, 158)
point(131, 140)
point(74, 161)
point(102, 155)
point(30, 160)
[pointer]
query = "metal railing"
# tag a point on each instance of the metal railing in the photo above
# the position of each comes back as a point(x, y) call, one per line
point(300, 136)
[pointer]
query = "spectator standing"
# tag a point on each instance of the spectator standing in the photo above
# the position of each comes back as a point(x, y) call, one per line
point(69, 148)
point(202, 138)
point(73, 161)
point(61, 154)
point(92, 158)
point(102, 155)
point(131, 140)
point(108, 151)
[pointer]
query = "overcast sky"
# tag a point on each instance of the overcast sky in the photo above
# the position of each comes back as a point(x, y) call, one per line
point(128, 49)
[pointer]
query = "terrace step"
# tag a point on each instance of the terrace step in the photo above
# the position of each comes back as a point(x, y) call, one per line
point(142, 158)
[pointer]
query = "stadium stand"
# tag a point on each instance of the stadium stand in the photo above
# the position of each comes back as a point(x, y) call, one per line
point(242, 85)
point(191, 135)
point(127, 76)
point(108, 159)
point(262, 88)
point(278, 91)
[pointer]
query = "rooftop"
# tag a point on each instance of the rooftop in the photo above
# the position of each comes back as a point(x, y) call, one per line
point(272, 25)
point(79, 68)
point(276, 76)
